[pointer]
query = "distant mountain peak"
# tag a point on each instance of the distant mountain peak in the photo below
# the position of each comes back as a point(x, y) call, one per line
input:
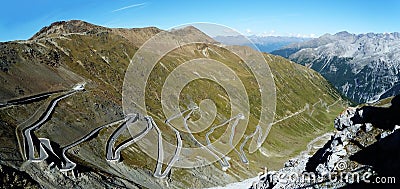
point(343, 33)
point(193, 34)
point(325, 35)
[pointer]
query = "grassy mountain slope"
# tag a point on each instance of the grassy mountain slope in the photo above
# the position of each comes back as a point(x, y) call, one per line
point(66, 53)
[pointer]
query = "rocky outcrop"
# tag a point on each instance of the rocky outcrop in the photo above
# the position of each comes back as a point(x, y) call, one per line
point(363, 153)
point(11, 178)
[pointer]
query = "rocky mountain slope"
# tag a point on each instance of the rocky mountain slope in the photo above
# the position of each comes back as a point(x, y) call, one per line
point(48, 71)
point(362, 153)
point(364, 67)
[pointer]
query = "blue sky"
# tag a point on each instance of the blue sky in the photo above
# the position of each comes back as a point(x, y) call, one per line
point(21, 19)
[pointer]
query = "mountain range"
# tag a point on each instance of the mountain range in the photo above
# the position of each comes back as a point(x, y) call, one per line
point(363, 67)
point(263, 43)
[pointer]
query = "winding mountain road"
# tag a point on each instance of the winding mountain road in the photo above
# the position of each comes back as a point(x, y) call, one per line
point(43, 145)
point(223, 161)
point(325, 137)
point(233, 129)
point(306, 107)
point(243, 156)
point(69, 165)
point(158, 172)
point(29, 99)
point(125, 144)
point(28, 132)
point(29, 138)
point(115, 156)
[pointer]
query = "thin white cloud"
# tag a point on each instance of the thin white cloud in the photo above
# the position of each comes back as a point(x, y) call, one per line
point(267, 34)
point(130, 6)
point(272, 33)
